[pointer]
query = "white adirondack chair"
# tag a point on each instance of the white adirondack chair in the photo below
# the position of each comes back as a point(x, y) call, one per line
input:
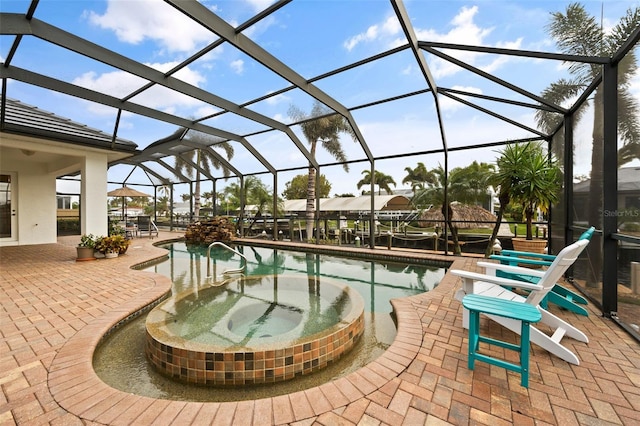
point(489, 285)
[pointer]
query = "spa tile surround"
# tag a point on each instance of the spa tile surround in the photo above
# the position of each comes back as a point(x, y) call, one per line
point(262, 366)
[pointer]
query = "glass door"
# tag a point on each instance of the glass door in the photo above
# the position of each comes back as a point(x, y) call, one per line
point(8, 210)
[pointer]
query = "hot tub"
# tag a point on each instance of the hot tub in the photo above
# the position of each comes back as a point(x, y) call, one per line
point(251, 330)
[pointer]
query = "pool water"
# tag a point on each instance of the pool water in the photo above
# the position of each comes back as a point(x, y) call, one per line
point(120, 360)
point(250, 322)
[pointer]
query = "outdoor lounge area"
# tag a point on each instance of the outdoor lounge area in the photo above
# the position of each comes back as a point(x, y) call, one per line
point(50, 327)
point(420, 138)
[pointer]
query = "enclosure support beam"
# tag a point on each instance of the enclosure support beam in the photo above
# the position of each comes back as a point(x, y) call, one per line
point(568, 179)
point(610, 192)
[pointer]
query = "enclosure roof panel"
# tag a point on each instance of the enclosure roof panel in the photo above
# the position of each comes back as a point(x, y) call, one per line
point(410, 80)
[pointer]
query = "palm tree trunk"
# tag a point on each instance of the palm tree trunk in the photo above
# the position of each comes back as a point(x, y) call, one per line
point(529, 218)
point(494, 234)
point(311, 195)
point(311, 203)
point(196, 204)
point(595, 190)
point(454, 231)
point(196, 195)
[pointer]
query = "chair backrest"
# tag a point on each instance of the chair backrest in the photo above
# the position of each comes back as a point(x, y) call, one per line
point(556, 270)
point(586, 235)
point(144, 223)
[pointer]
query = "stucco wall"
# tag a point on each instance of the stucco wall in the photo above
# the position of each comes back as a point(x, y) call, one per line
point(34, 194)
point(37, 206)
point(37, 163)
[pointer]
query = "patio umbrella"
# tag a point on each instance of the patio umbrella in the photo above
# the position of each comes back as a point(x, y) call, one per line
point(125, 191)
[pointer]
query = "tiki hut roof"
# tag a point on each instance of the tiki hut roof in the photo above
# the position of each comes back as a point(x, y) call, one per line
point(466, 216)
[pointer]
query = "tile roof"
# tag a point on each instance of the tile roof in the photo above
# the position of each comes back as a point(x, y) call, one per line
point(29, 120)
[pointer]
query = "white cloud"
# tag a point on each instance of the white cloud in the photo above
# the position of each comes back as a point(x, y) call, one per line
point(237, 66)
point(206, 110)
point(260, 5)
point(136, 21)
point(120, 83)
point(116, 83)
point(185, 74)
point(386, 29)
point(500, 60)
point(368, 35)
point(462, 30)
point(449, 105)
point(278, 99)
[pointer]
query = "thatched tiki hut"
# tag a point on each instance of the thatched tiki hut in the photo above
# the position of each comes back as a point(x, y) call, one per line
point(464, 216)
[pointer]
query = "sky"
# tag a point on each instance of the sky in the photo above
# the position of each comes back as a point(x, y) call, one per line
point(312, 37)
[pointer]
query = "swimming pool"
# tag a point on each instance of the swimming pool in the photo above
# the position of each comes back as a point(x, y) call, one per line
point(376, 281)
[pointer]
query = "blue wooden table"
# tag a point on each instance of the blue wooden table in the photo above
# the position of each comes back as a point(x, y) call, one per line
point(527, 314)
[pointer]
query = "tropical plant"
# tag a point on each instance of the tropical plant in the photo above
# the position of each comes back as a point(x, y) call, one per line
point(297, 188)
point(578, 33)
point(203, 158)
point(255, 193)
point(321, 126)
point(529, 177)
point(382, 181)
point(472, 183)
point(162, 205)
point(417, 177)
point(208, 196)
point(113, 244)
point(433, 193)
point(116, 229)
point(88, 240)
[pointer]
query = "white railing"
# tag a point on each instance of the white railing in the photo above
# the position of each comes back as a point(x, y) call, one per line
point(226, 271)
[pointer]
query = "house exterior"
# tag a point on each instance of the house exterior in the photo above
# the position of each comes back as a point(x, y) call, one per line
point(36, 147)
point(628, 196)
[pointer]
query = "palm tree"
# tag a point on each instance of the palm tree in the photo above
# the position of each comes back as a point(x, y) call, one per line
point(528, 176)
point(208, 195)
point(417, 177)
point(324, 127)
point(578, 33)
point(255, 193)
point(204, 159)
point(382, 180)
point(502, 181)
point(473, 183)
point(434, 193)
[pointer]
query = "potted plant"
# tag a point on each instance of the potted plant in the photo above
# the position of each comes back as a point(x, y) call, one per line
point(530, 177)
point(113, 245)
point(86, 248)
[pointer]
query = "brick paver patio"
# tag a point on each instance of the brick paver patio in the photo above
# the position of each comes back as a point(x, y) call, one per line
point(55, 310)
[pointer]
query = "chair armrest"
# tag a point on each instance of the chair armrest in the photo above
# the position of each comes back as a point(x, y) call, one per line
point(515, 260)
point(511, 269)
point(469, 277)
point(514, 253)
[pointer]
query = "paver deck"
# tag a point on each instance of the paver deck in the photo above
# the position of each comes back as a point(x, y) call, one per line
point(55, 310)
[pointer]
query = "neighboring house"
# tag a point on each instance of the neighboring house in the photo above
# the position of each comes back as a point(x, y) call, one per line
point(628, 194)
point(36, 147)
point(383, 205)
point(182, 208)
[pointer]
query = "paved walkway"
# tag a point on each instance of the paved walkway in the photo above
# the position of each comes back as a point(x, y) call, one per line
point(54, 311)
